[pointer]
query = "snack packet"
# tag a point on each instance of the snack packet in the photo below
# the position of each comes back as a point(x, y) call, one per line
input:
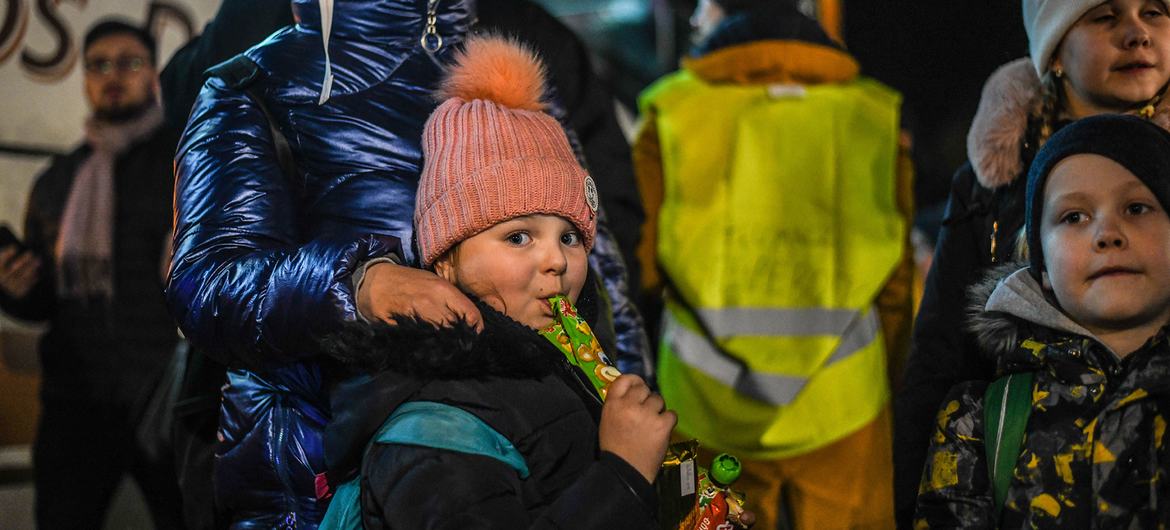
point(718, 506)
point(694, 498)
point(677, 485)
point(572, 335)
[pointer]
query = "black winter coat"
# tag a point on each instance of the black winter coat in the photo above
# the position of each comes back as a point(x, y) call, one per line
point(112, 353)
point(515, 381)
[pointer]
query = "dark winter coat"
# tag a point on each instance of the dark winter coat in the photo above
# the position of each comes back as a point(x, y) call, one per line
point(1093, 454)
point(515, 381)
point(110, 353)
point(983, 221)
point(263, 261)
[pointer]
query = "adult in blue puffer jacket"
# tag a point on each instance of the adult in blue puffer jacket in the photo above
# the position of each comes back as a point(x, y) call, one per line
point(264, 260)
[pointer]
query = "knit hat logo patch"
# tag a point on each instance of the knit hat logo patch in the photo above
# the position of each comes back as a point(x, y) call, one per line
point(591, 193)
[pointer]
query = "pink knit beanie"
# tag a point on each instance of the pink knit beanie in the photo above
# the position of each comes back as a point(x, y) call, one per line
point(492, 154)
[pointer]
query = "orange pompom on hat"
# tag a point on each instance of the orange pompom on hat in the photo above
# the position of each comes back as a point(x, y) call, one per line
point(491, 153)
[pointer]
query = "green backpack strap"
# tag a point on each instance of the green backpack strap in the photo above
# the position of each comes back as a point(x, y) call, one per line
point(424, 424)
point(1006, 407)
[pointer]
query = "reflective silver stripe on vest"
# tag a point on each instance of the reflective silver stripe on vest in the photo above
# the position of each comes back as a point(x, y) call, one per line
point(742, 321)
point(697, 352)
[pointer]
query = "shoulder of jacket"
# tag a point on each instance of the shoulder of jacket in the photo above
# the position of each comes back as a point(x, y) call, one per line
point(666, 87)
point(238, 73)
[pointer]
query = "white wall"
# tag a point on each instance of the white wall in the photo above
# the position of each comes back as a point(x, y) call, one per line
point(42, 109)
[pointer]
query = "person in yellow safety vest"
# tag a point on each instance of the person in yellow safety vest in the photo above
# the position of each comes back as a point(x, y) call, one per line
point(777, 193)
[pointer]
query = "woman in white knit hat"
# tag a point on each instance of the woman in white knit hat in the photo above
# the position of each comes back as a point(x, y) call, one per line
point(1088, 57)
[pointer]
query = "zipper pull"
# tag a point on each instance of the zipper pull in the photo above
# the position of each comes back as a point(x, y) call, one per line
point(431, 41)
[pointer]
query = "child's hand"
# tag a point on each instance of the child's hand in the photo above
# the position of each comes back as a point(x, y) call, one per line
point(635, 425)
point(390, 289)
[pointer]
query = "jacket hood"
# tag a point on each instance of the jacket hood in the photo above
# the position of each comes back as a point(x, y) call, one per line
point(765, 21)
point(1008, 300)
point(1011, 96)
point(774, 43)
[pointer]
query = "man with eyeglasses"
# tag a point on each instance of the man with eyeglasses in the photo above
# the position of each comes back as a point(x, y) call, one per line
point(97, 242)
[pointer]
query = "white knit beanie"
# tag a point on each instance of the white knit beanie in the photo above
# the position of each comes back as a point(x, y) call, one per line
point(1046, 22)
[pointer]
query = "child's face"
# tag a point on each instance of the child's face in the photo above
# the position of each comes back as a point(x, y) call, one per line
point(1115, 57)
point(1106, 244)
point(515, 266)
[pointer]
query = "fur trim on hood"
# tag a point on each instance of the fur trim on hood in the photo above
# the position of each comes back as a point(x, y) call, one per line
point(1008, 306)
point(422, 350)
point(996, 333)
point(1010, 97)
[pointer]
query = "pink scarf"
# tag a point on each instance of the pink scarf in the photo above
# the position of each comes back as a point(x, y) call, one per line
point(85, 244)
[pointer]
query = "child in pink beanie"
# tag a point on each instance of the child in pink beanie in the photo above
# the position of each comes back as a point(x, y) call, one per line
point(523, 423)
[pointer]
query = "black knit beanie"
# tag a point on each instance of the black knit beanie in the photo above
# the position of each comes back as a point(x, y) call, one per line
point(751, 20)
point(1138, 145)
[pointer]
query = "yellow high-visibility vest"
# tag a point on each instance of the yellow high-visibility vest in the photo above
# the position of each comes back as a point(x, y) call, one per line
point(778, 229)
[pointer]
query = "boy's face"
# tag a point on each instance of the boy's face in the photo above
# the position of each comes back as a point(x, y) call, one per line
point(1106, 244)
point(517, 265)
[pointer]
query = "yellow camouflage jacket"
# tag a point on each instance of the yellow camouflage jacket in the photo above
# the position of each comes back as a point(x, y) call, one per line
point(1093, 453)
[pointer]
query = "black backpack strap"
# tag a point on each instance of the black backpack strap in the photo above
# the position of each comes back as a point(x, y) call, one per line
point(242, 73)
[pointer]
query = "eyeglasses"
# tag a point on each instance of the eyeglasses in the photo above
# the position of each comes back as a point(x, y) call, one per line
point(107, 66)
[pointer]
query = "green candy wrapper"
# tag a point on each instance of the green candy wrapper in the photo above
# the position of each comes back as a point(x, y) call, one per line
point(690, 497)
point(573, 336)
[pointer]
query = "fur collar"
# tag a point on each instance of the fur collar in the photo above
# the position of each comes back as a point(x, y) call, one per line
point(995, 142)
point(1008, 307)
point(422, 350)
point(996, 333)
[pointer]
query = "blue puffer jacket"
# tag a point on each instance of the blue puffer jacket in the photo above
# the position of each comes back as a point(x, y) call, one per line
point(263, 261)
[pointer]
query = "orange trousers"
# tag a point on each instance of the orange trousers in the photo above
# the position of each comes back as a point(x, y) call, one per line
point(847, 484)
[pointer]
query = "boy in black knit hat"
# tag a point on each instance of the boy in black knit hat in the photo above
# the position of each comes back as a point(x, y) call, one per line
point(1081, 332)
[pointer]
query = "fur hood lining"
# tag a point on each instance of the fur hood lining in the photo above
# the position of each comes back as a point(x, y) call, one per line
point(1011, 96)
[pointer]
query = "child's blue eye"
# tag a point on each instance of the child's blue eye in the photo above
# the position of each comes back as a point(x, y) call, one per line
point(519, 238)
point(571, 239)
point(1072, 218)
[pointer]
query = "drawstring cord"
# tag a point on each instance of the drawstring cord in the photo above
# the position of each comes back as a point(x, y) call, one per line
point(326, 27)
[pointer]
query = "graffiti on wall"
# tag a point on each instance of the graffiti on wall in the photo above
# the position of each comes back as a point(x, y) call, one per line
point(55, 63)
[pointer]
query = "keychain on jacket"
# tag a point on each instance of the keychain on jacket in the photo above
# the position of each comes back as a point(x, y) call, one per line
point(574, 338)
